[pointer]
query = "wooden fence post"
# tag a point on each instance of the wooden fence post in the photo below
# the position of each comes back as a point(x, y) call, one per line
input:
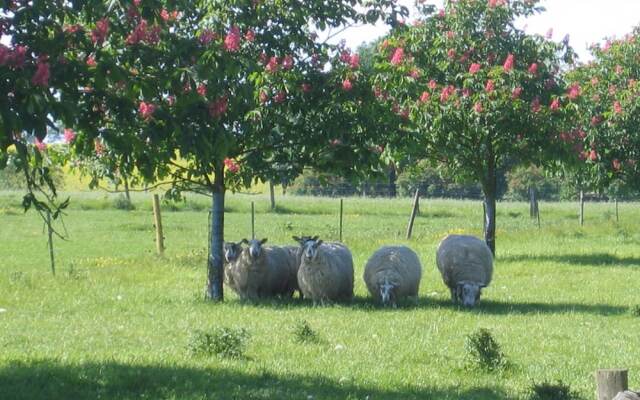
point(610, 382)
point(50, 243)
point(414, 212)
point(617, 215)
point(253, 220)
point(582, 208)
point(272, 196)
point(341, 211)
point(157, 219)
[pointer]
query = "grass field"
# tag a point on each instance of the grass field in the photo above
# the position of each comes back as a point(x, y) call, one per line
point(116, 320)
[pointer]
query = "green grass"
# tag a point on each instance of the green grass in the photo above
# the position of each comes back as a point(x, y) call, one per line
point(117, 320)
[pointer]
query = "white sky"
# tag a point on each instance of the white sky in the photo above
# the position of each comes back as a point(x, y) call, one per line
point(586, 21)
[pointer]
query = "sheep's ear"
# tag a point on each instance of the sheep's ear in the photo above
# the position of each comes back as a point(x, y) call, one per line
point(315, 237)
point(243, 241)
point(318, 243)
point(263, 241)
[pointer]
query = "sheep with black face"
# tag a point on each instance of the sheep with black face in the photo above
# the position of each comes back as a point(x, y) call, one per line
point(466, 266)
point(262, 271)
point(231, 252)
point(326, 270)
point(393, 273)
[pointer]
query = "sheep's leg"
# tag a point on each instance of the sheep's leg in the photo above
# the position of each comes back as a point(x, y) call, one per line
point(454, 298)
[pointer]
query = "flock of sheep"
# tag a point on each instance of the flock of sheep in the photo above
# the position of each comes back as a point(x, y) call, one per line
point(323, 272)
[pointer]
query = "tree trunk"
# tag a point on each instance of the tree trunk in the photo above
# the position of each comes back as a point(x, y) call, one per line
point(489, 187)
point(610, 382)
point(214, 264)
point(581, 207)
point(272, 196)
point(533, 203)
point(126, 189)
point(393, 177)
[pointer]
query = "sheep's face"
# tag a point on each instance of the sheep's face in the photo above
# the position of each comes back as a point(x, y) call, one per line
point(468, 293)
point(310, 249)
point(387, 293)
point(232, 251)
point(255, 247)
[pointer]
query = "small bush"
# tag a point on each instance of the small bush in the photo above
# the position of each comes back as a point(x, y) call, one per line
point(551, 391)
point(303, 333)
point(483, 351)
point(122, 203)
point(222, 342)
point(635, 310)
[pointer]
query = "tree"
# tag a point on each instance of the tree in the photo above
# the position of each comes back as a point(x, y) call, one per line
point(204, 94)
point(478, 93)
point(608, 114)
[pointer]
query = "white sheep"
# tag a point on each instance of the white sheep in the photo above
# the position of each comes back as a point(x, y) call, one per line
point(294, 253)
point(392, 273)
point(466, 266)
point(262, 272)
point(232, 252)
point(326, 270)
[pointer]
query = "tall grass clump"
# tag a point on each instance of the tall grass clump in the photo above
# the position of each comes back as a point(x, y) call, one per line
point(551, 391)
point(483, 351)
point(303, 333)
point(222, 342)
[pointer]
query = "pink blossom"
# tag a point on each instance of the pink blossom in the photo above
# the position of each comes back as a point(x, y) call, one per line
point(347, 85)
point(41, 77)
point(432, 84)
point(306, 87)
point(232, 40)
point(354, 61)
point(574, 91)
point(593, 155)
point(490, 86)
point(232, 165)
point(18, 57)
point(555, 105)
point(99, 34)
point(398, 56)
point(492, 3)
point(549, 34)
point(73, 28)
point(287, 62)
point(69, 135)
point(41, 146)
point(164, 14)
point(207, 36)
point(425, 97)
point(250, 36)
point(146, 110)
point(617, 107)
point(466, 92)
point(508, 63)
point(345, 57)
point(335, 142)
point(446, 92)
point(619, 69)
point(594, 81)
point(414, 73)
point(474, 68)
point(273, 65)
point(616, 164)
point(596, 120)
point(91, 62)
point(535, 105)
point(171, 100)
point(202, 89)
point(280, 97)
point(613, 90)
point(451, 35)
point(263, 96)
point(451, 53)
point(478, 107)
point(219, 107)
point(533, 69)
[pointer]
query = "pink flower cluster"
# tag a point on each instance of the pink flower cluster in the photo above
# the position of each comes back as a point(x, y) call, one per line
point(508, 63)
point(347, 85)
point(219, 107)
point(353, 60)
point(69, 135)
point(446, 92)
point(474, 68)
point(397, 57)
point(40, 145)
point(169, 16)
point(13, 57)
point(232, 165)
point(232, 40)
point(207, 36)
point(146, 110)
point(142, 33)
point(574, 91)
point(41, 77)
point(99, 34)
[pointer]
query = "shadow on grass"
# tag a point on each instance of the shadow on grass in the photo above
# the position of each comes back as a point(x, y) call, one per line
point(50, 379)
point(487, 306)
point(594, 260)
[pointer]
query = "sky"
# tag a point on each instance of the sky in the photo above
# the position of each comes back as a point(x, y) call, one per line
point(585, 21)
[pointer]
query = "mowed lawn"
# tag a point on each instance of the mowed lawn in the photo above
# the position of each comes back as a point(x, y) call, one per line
point(116, 320)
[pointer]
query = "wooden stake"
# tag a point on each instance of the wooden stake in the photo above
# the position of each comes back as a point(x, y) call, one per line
point(617, 216)
point(581, 208)
point(253, 221)
point(272, 196)
point(414, 212)
point(341, 211)
point(157, 218)
point(50, 237)
point(610, 382)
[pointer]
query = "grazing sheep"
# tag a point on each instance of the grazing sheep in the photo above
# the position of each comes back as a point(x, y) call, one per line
point(326, 270)
point(262, 272)
point(231, 253)
point(627, 395)
point(392, 273)
point(466, 266)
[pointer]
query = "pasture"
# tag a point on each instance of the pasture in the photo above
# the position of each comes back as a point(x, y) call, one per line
point(116, 321)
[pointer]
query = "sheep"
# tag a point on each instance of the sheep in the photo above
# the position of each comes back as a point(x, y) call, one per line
point(392, 273)
point(326, 270)
point(627, 395)
point(466, 266)
point(231, 252)
point(294, 254)
point(262, 272)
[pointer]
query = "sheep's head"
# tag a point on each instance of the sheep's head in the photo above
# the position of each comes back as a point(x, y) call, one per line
point(309, 246)
point(232, 251)
point(468, 293)
point(388, 293)
point(255, 247)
